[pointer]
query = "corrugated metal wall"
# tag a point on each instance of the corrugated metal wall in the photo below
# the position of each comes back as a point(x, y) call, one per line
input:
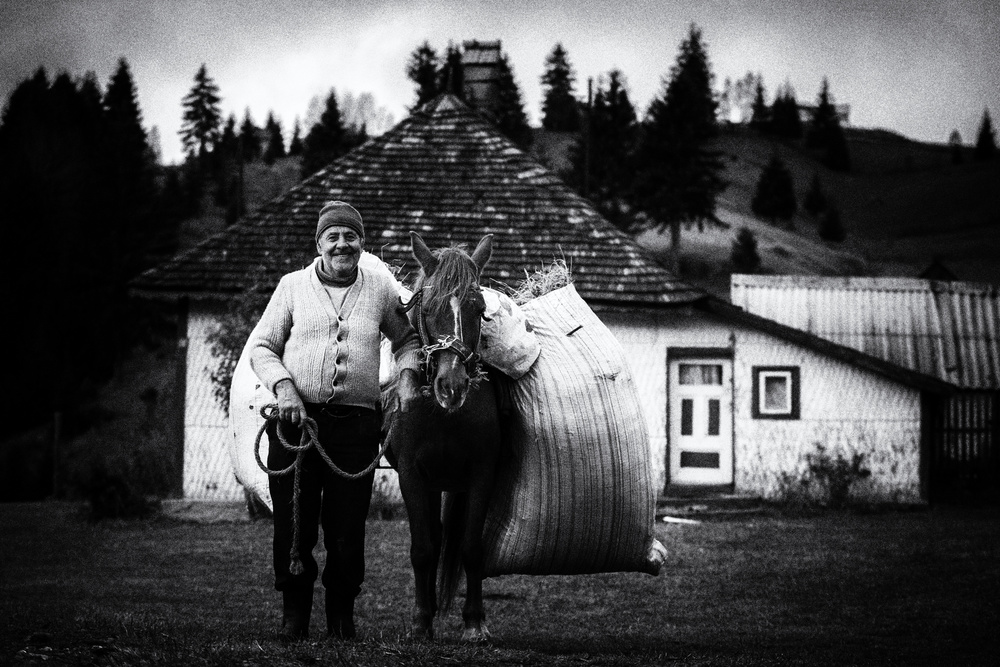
point(950, 330)
point(208, 471)
point(964, 447)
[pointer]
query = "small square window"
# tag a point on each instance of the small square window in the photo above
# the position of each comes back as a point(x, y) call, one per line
point(775, 392)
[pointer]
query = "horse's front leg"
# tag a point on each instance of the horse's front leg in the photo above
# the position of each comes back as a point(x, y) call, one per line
point(473, 613)
point(423, 507)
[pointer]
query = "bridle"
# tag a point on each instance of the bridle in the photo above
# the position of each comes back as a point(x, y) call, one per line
point(467, 355)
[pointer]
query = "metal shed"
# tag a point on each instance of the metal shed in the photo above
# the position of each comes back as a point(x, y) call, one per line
point(945, 329)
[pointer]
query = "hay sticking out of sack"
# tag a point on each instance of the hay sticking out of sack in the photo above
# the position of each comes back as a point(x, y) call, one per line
point(541, 282)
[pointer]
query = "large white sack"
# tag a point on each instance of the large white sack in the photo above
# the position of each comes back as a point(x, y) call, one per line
point(247, 395)
point(507, 342)
point(576, 495)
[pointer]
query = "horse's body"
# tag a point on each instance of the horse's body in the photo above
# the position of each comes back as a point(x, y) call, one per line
point(450, 442)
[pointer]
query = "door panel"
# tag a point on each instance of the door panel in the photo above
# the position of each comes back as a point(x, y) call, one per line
point(701, 404)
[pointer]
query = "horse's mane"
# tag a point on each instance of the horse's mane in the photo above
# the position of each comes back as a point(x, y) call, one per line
point(455, 269)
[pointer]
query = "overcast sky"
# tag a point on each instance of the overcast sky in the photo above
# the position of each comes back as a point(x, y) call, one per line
point(921, 67)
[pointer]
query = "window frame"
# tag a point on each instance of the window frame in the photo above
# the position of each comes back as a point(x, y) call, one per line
point(759, 373)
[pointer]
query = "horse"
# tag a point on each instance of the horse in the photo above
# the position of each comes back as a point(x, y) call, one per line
point(446, 448)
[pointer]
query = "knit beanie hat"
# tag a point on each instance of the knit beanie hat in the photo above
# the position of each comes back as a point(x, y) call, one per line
point(339, 213)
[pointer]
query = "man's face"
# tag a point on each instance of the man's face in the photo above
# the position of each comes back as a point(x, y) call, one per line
point(340, 249)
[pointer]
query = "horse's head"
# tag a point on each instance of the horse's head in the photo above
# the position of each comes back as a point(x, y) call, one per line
point(450, 316)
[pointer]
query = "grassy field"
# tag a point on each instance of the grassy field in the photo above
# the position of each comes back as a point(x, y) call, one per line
point(913, 588)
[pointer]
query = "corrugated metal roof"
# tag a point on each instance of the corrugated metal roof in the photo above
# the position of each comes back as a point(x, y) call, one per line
point(949, 330)
point(448, 174)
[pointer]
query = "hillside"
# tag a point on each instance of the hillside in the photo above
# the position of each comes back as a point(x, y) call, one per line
point(903, 205)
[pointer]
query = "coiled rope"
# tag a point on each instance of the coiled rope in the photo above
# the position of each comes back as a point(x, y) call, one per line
point(309, 438)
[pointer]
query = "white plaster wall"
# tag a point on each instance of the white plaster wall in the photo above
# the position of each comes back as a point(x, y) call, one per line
point(843, 407)
point(208, 470)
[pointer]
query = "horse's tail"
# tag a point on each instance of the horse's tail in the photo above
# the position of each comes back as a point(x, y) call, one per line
point(453, 525)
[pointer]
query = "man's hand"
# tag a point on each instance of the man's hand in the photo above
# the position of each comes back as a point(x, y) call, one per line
point(408, 389)
point(290, 406)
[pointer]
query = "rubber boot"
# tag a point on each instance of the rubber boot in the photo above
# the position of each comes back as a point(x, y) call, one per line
point(340, 618)
point(296, 610)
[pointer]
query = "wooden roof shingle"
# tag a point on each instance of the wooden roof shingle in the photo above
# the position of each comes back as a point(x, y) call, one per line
point(448, 174)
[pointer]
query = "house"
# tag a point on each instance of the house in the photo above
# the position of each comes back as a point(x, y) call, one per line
point(941, 328)
point(447, 173)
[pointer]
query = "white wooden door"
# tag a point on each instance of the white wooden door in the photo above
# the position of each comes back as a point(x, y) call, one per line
point(701, 422)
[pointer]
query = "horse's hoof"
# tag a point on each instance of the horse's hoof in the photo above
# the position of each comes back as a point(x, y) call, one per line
point(419, 634)
point(474, 635)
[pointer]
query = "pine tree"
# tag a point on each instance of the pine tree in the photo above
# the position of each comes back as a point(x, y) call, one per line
point(250, 138)
point(422, 69)
point(955, 144)
point(67, 226)
point(785, 120)
point(295, 145)
point(509, 113)
point(275, 141)
point(986, 145)
point(131, 210)
point(229, 143)
point(830, 227)
point(744, 255)
point(228, 191)
point(611, 131)
point(327, 140)
point(560, 110)
point(825, 134)
point(775, 194)
point(678, 177)
point(451, 76)
point(815, 200)
point(760, 119)
point(202, 115)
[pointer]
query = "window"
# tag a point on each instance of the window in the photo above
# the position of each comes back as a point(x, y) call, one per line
point(687, 416)
point(713, 416)
point(776, 392)
point(700, 373)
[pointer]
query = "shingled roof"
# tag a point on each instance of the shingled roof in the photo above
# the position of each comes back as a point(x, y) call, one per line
point(448, 174)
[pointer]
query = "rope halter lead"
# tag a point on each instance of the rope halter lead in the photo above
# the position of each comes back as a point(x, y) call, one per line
point(309, 438)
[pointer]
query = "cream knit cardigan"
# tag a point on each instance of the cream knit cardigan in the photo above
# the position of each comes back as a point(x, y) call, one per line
point(331, 355)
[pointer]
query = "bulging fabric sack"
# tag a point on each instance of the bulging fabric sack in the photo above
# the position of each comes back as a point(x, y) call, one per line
point(247, 395)
point(507, 342)
point(576, 494)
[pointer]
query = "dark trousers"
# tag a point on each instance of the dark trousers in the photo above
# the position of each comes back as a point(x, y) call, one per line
point(350, 436)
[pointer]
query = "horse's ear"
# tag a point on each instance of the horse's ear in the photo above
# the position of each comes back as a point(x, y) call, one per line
point(428, 262)
point(482, 253)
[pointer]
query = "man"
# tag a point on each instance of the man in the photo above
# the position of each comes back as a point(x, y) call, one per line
point(316, 348)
